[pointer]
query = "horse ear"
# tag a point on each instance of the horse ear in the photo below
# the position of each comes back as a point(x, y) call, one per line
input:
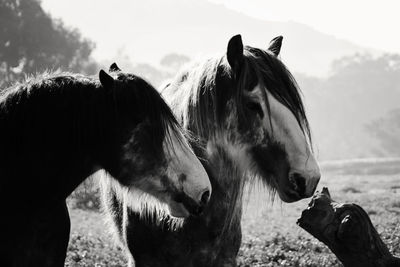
point(105, 79)
point(235, 52)
point(114, 68)
point(275, 45)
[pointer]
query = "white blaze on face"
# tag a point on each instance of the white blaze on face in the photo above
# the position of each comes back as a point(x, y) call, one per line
point(286, 130)
point(185, 172)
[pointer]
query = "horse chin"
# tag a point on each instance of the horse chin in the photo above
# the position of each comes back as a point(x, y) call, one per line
point(177, 210)
point(288, 196)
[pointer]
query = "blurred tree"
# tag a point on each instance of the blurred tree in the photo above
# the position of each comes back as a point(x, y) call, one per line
point(152, 74)
point(387, 130)
point(174, 61)
point(31, 41)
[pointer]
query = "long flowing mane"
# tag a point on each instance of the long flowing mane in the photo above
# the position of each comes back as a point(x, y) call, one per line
point(199, 102)
point(196, 87)
point(84, 99)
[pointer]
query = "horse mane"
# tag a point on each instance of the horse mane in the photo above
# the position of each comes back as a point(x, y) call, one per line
point(273, 75)
point(196, 83)
point(151, 103)
point(80, 93)
point(197, 102)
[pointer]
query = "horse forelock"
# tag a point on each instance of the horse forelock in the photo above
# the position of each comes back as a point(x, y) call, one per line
point(274, 77)
point(151, 104)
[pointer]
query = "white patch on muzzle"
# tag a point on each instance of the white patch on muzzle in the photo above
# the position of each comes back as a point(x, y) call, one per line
point(286, 130)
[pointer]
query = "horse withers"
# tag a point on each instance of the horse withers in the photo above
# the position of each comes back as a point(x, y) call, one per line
point(58, 129)
point(245, 108)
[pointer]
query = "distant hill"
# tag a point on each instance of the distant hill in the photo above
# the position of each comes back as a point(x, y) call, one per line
point(152, 29)
point(342, 107)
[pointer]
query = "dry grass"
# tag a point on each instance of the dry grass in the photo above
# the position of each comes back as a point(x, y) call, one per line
point(270, 235)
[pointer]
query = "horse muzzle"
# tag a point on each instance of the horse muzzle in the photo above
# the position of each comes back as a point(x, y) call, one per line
point(301, 185)
point(195, 206)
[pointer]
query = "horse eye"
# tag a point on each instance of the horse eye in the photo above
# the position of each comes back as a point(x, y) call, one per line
point(255, 107)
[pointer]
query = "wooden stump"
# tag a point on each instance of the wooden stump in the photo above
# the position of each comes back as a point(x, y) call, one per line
point(348, 232)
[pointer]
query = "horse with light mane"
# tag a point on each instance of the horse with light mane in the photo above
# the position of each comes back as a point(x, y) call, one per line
point(57, 129)
point(245, 108)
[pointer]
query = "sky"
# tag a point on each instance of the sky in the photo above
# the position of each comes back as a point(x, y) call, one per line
point(371, 24)
point(365, 22)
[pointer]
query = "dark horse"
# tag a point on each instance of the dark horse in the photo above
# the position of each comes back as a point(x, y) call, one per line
point(245, 107)
point(58, 129)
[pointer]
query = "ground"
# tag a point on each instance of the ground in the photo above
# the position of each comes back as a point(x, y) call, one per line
point(270, 234)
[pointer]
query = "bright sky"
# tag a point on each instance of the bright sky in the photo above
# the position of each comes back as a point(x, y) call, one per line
point(373, 24)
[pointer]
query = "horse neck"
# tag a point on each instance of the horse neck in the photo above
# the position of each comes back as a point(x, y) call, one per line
point(224, 169)
point(94, 129)
point(67, 135)
point(227, 180)
point(224, 212)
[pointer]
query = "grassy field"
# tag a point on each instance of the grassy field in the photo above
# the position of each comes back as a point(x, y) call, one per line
point(270, 234)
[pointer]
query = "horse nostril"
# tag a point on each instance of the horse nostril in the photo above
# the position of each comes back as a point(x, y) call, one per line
point(198, 211)
point(205, 197)
point(299, 183)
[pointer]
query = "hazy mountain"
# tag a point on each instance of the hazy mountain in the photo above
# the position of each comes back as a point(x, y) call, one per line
point(354, 112)
point(155, 28)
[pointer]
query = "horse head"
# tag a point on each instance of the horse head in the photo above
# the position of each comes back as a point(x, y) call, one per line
point(270, 125)
point(148, 152)
point(248, 105)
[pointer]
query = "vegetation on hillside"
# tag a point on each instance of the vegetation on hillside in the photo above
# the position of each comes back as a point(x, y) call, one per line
point(32, 41)
point(351, 111)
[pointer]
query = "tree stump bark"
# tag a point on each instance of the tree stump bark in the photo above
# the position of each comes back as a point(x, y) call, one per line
point(348, 232)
